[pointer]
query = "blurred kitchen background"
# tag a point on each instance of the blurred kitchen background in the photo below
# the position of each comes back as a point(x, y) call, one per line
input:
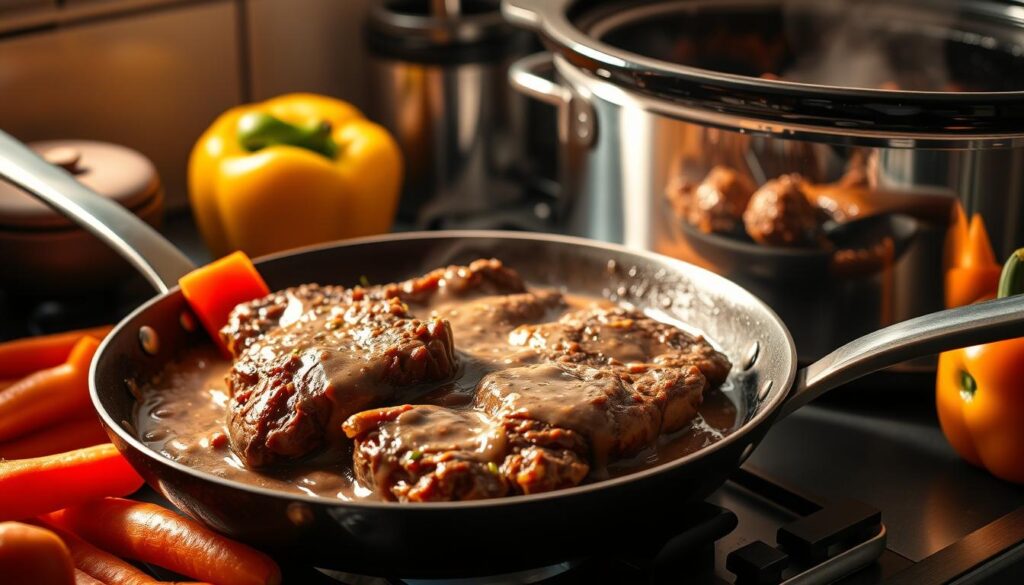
point(153, 74)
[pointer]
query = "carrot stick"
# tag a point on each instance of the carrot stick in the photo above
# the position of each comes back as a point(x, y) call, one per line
point(153, 534)
point(21, 357)
point(33, 555)
point(29, 487)
point(99, 564)
point(50, 395)
point(69, 435)
point(215, 289)
point(83, 578)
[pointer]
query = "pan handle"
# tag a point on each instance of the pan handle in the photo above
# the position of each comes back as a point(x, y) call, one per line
point(925, 335)
point(141, 245)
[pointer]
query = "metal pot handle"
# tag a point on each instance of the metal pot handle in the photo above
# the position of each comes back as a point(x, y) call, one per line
point(141, 245)
point(925, 335)
point(525, 77)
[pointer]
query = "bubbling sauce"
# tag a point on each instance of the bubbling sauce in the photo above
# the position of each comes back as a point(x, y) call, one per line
point(183, 412)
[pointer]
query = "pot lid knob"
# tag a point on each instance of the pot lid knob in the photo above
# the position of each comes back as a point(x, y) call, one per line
point(65, 157)
point(114, 171)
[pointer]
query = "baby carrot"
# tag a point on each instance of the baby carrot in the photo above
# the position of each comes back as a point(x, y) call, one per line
point(21, 357)
point(31, 554)
point(215, 289)
point(68, 435)
point(29, 487)
point(48, 395)
point(153, 534)
point(98, 564)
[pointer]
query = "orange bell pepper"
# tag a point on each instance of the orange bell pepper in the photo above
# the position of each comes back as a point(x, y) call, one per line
point(971, 271)
point(980, 394)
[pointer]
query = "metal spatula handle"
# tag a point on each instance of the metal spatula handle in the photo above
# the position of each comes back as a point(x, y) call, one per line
point(149, 252)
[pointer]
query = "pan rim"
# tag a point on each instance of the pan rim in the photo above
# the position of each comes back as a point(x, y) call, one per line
point(768, 407)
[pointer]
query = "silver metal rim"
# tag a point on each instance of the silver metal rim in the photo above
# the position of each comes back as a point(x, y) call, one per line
point(585, 84)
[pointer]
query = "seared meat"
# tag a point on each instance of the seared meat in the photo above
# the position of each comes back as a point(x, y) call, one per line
point(307, 358)
point(554, 398)
point(618, 413)
point(292, 387)
point(248, 321)
point(622, 339)
point(718, 202)
point(616, 380)
point(480, 277)
point(483, 324)
point(428, 453)
point(431, 453)
point(780, 214)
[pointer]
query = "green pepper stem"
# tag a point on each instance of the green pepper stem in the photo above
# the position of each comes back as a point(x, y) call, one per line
point(258, 130)
point(1011, 281)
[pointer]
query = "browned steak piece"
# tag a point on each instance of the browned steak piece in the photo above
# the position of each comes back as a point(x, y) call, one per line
point(480, 277)
point(248, 321)
point(617, 413)
point(623, 339)
point(293, 386)
point(482, 324)
point(428, 453)
point(431, 453)
point(306, 358)
point(666, 366)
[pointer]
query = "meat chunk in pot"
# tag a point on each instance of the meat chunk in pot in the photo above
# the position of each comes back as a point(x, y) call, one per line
point(780, 214)
point(717, 203)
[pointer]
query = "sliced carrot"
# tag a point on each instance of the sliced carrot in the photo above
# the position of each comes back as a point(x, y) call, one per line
point(98, 564)
point(49, 395)
point(33, 555)
point(29, 487)
point(153, 534)
point(66, 436)
point(21, 357)
point(83, 578)
point(215, 289)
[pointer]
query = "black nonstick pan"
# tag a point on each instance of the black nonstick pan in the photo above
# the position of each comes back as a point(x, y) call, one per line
point(490, 536)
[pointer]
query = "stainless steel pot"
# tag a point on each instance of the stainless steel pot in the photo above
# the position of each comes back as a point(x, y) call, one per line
point(437, 79)
point(652, 95)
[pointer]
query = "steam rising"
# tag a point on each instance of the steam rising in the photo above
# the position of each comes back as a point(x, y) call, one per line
point(865, 43)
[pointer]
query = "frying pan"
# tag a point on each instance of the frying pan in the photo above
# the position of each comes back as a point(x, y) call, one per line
point(490, 536)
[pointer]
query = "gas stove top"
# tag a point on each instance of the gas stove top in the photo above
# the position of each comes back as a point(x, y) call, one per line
point(858, 488)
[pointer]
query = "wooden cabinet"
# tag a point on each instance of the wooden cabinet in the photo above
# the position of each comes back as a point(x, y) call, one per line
point(151, 80)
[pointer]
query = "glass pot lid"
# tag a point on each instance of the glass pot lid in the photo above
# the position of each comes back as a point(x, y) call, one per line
point(898, 66)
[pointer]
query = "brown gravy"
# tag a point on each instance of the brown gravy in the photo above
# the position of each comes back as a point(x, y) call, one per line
point(183, 411)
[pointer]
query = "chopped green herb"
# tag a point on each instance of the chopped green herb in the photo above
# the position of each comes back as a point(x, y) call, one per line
point(415, 455)
point(492, 467)
point(363, 280)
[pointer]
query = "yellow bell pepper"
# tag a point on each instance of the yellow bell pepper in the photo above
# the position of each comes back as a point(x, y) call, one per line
point(294, 170)
point(980, 395)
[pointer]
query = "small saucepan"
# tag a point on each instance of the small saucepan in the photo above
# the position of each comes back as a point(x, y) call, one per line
point(487, 536)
